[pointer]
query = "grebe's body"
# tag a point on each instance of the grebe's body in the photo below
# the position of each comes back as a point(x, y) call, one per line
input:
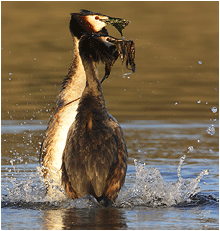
point(94, 159)
point(68, 100)
point(56, 133)
point(84, 148)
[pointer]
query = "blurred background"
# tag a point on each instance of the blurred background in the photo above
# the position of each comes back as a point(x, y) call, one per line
point(177, 57)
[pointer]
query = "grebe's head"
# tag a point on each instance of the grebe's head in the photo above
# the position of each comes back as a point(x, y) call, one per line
point(89, 22)
point(107, 49)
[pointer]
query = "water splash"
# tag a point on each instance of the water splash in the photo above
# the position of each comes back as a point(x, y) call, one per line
point(24, 191)
point(214, 109)
point(152, 190)
point(149, 189)
point(191, 148)
point(211, 130)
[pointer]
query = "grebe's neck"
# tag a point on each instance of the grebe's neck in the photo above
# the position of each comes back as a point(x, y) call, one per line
point(92, 79)
point(74, 83)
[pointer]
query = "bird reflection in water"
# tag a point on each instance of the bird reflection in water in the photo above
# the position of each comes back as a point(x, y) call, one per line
point(100, 218)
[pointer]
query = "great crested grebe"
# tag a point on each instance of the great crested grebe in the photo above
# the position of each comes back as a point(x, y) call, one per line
point(83, 146)
point(94, 159)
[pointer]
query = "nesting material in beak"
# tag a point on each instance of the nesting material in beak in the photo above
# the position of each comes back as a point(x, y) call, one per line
point(118, 23)
point(126, 51)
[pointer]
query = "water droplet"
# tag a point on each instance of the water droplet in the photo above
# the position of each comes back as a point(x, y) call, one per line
point(214, 109)
point(176, 103)
point(211, 130)
point(199, 101)
point(10, 73)
point(198, 141)
point(199, 62)
point(190, 148)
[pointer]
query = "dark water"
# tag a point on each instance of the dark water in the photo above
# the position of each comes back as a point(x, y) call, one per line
point(168, 110)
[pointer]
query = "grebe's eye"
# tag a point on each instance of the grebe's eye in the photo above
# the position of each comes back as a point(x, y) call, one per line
point(107, 39)
point(96, 17)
